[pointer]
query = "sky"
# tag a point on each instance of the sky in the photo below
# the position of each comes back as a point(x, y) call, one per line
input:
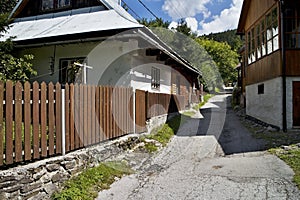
point(202, 16)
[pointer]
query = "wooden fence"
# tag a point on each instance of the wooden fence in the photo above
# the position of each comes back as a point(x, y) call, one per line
point(32, 125)
point(43, 120)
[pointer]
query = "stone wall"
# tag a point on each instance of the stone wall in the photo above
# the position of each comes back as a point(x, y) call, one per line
point(40, 179)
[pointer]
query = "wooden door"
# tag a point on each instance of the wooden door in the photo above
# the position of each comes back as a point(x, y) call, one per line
point(296, 104)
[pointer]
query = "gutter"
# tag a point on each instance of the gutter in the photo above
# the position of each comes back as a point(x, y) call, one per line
point(283, 54)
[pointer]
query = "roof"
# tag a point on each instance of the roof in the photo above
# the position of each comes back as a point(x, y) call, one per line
point(243, 17)
point(78, 21)
point(85, 20)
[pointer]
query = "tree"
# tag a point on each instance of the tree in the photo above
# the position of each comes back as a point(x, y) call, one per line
point(228, 36)
point(225, 58)
point(11, 67)
point(159, 22)
point(184, 29)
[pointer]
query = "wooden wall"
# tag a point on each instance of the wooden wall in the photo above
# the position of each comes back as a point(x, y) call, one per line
point(293, 62)
point(264, 69)
point(257, 9)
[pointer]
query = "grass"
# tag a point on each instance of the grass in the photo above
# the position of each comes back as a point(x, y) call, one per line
point(164, 133)
point(189, 113)
point(87, 184)
point(292, 158)
point(205, 100)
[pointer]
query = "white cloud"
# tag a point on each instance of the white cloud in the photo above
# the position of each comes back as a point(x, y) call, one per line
point(173, 25)
point(178, 9)
point(228, 19)
point(192, 23)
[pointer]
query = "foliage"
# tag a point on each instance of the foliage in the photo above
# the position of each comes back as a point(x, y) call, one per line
point(184, 29)
point(159, 22)
point(225, 58)
point(205, 100)
point(12, 68)
point(228, 36)
point(163, 134)
point(87, 184)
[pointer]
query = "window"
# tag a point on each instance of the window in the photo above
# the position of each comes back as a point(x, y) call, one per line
point(263, 38)
point(54, 4)
point(47, 4)
point(63, 3)
point(292, 25)
point(68, 72)
point(261, 89)
point(155, 78)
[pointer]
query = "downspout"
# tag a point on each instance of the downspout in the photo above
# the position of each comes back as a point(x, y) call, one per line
point(283, 53)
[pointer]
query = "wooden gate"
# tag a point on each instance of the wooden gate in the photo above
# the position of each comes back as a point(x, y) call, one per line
point(140, 111)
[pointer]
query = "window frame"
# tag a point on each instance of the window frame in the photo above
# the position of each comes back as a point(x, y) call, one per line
point(63, 71)
point(263, 37)
point(55, 5)
point(155, 78)
point(292, 33)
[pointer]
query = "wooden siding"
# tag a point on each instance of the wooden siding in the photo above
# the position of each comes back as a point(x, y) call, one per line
point(264, 69)
point(293, 62)
point(257, 9)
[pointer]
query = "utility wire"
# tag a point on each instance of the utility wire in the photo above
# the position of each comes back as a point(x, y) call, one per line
point(127, 6)
point(148, 9)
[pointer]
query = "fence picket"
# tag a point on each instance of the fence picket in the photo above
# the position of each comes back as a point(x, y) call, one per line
point(58, 125)
point(44, 119)
point(81, 115)
point(18, 122)
point(89, 114)
point(76, 115)
point(93, 114)
point(9, 123)
point(51, 124)
point(72, 131)
point(27, 121)
point(36, 121)
point(101, 114)
point(97, 113)
point(67, 119)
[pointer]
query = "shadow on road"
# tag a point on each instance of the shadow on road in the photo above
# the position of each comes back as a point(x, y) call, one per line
point(220, 120)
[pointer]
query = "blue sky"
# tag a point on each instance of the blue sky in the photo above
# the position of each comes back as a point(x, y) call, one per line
point(203, 16)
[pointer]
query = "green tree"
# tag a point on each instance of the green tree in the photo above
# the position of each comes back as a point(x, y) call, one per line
point(184, 29)
point(159, 22)
point(228, 36)
point(225, 58)
point(11, 67)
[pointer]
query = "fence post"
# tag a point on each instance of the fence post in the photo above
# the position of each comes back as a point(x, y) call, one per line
point(134, 114)
point(63, 123)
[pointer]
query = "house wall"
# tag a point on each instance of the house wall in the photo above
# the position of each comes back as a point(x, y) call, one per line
point(256, 10)
point(142, 68)
point(266, 107)
point(41, 62)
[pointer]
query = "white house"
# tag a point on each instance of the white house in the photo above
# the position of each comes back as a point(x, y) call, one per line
point(103, 36)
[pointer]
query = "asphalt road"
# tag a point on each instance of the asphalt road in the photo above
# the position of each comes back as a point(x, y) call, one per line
point(212, 157)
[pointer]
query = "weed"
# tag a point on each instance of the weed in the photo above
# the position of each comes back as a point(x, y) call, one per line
point(87, 184)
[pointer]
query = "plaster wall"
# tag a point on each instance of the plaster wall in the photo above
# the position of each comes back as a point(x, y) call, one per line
point(266, 107)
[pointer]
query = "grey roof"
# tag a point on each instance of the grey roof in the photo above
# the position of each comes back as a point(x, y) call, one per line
point(72, 22)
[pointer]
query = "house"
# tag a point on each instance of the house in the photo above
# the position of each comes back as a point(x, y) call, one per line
point(103, 36)
point(271, 61)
